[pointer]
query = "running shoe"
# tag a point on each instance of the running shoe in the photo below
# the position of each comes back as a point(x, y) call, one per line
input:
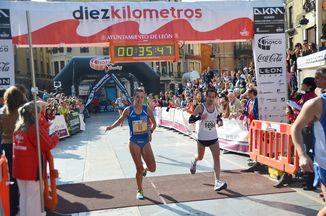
point(140, 194)
point(220, 185)
point(192, 167)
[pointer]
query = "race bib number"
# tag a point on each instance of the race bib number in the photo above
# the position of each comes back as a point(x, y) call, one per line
point(139, 127)
point(209, 125)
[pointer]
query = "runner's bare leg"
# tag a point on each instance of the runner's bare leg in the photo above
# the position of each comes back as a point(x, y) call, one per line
point(215, 149)
point(135, 152)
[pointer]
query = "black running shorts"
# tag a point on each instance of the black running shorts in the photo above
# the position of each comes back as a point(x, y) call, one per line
point(208, 142)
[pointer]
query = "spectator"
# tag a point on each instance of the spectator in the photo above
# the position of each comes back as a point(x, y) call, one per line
point(224, 106)
point(251, 108)
point(190, 108)
point(25, 159)
point(13, 99)
point(235, 106)
point(305, 48)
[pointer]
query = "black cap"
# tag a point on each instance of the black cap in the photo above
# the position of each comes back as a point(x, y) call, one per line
point(309, 81)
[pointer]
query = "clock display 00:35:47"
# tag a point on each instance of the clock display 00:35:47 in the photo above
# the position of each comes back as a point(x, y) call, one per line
point(144, 51)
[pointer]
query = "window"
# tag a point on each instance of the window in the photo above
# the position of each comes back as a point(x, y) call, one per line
point(290, 17)
point(56, 67)
point(61, 50)
point(28, 66)
point(291, 42)
point(84, 50)
point(106, 51)
point(69, 49)
point(42, 68)
point(62, 64)
point(55, 50)
point(48, 68)
point(311, 32)
point(36, 67)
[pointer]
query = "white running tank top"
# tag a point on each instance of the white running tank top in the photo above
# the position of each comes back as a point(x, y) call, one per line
point(320, 137)
point(206, 129)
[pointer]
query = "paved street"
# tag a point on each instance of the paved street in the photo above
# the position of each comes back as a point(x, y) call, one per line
point(93, 155)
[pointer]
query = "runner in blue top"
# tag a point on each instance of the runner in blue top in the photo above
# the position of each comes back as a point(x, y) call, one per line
point(314, 110)
point(138, 116)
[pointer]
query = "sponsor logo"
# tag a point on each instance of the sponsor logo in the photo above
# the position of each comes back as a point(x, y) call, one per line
point(4, 13)
point(126, 12)
point(265, 83)
point(271, 70)
point(265, 43)
point(99, 63)
point(103, 63)
point(272, 100)
point(268, 11)
point(4, 48)
point(266, 92)
point(244, 32)
point(4, 35)
point(4, 66)
point(4, 81)
point(275, 57)
point(279, 91)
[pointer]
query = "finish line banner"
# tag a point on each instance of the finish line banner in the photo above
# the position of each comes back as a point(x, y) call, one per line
point(76, 23)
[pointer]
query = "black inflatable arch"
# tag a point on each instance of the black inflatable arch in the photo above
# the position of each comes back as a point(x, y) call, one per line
point(78, 68)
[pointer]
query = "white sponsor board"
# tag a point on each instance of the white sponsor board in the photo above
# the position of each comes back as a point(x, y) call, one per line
point(58, 125)
point(7, 70)
point(270, 66)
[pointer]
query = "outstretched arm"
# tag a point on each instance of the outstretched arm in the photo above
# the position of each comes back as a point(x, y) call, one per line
point(120, 120)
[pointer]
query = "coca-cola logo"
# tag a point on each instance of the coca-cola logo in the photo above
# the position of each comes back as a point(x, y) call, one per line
point(275, 57)
point(4, 48)
point(4, 66)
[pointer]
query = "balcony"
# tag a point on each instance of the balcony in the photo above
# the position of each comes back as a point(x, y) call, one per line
point(193, 57)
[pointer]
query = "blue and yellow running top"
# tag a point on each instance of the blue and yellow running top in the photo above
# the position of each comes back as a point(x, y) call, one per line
point(320, 136)
point(138, 125)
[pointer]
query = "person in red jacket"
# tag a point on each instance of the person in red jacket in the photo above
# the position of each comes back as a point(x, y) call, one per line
point(25, 160)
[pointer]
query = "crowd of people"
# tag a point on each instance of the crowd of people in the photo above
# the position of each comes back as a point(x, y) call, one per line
point(236, 91)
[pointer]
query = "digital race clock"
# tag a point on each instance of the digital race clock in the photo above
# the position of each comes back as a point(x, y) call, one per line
point(144, 52)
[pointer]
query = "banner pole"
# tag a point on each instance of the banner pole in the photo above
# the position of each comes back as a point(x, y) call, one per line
point(35, 91)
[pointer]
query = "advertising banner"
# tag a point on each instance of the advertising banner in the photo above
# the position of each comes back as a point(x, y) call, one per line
point(73, 123)
point(59, 125)
point(270, 63)
point(7, 70)
point(233, 136)
point(76, 23)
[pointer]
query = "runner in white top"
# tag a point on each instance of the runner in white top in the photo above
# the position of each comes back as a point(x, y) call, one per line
point(209, 117)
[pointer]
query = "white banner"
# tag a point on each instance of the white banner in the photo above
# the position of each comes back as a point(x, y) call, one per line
point(82, 122)
point(7, 64)
point(76, 23)
point(232, 135)
point(58, 125)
